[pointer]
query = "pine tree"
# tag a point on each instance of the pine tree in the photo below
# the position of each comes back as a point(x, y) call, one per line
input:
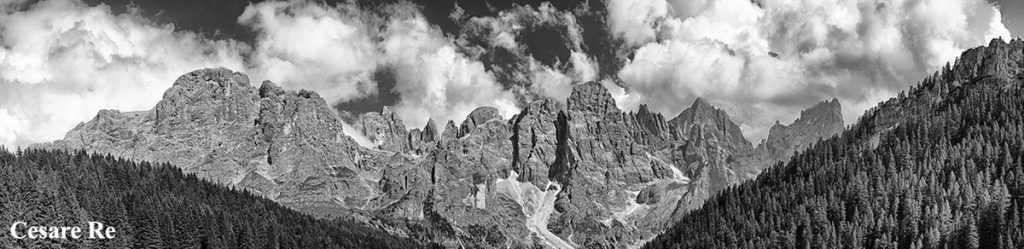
point(969, 234)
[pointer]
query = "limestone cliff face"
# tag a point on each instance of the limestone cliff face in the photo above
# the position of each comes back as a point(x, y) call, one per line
point(387, 132)
point(702, 121)
point(285, 145)
point(533, 141)
point(580, 174)
point(999, 60)
point(599, 166)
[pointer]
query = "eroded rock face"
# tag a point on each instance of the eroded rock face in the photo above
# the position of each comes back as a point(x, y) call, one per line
point(597, 162)
point(999, 59)
point(823, 120)
point(533, 141)
point(285, 145)
point(581, 174)
point(387, 132)
point(702, 121)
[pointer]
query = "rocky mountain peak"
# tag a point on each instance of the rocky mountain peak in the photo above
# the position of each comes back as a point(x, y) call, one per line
point(643, 110)
point(533, 141)
point(430, 130)
point(592, 97)
point(219, 77)
point(208, 84)
point(268, 89)
point(703, 119)
point(822, 120)
point(477, 117)
point(826, 111)
point(653, 123)
point(699, 109)
point(998, 59)
point(214, 123)
point(385, 129)
point(207, 97)
point(450, 131)
point(700, 104)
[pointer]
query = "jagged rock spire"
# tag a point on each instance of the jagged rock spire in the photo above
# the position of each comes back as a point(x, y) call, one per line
point(592, 97)
point(477, 117)
point(820, 121)
point(704, 118)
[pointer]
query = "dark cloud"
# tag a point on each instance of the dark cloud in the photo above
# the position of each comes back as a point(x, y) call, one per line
point(385, 76)
point(598, 40)
point(507, 66)
point(546, 43)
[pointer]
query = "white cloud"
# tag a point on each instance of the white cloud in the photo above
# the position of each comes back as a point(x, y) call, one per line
point(858, 51)
point(335, 50)
point(10, 126)
point(330, 49)
point(555, 84)
point(434, 80)
point(61, 61)
point(636, 21)
point(583, 66)
point(549, 82)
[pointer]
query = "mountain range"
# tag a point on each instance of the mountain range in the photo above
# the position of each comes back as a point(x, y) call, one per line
point(583, 173)
point(574, 173)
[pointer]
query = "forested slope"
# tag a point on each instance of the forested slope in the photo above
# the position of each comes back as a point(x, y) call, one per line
point(936, 167)
point(156, 206)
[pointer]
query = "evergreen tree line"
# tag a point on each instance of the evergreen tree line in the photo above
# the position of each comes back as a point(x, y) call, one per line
point(944, 173)
point(156, 206)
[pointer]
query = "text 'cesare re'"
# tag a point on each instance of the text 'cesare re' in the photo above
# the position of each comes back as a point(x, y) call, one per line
point(96, 230)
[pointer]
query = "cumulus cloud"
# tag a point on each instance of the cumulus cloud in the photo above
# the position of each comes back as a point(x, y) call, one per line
point(61, 61)
point(636, 22)
point(331, 49)
point(335, 50)
point(766, 60)
point(434, 80)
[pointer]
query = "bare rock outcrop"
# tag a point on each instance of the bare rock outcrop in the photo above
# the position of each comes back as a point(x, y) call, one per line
point(285, 145)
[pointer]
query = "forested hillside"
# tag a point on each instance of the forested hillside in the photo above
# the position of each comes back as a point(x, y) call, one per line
point(156, 206)
point(936, 167)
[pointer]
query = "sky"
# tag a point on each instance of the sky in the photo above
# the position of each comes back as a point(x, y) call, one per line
point(61, 61)
point(1013, 15)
